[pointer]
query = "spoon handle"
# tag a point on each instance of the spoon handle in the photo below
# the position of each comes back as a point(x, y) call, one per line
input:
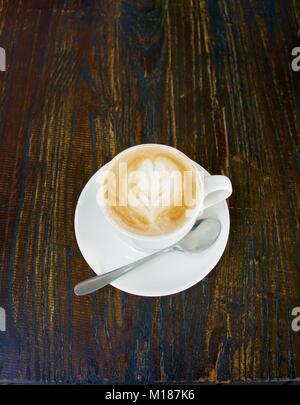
point(95, 283)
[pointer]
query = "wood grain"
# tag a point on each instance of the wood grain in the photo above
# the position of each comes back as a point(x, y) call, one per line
point(87, 79)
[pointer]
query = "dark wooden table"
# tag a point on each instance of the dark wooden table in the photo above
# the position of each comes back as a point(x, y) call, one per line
point(87, 79)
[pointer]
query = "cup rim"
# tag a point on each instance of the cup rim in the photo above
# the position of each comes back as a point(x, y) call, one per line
point(133, 235)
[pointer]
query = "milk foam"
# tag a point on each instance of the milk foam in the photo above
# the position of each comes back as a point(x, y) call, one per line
point(150, 196)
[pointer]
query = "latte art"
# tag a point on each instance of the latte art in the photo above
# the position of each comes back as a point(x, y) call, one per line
point(154, 183)
point(150, 190)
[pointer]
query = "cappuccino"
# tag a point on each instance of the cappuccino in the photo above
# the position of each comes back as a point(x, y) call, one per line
point(150, 190)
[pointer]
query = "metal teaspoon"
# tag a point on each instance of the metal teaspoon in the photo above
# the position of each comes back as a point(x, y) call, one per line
point(202, 235)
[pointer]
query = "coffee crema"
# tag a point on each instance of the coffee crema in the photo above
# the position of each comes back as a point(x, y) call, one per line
point(150, 190)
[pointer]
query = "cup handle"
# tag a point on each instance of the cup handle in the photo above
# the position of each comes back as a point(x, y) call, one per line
point(216, 189)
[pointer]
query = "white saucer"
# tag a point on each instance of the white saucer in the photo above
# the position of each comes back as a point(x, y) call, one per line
point(168, 274)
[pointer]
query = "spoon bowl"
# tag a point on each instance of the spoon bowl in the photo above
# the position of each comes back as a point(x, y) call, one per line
point(202, 235)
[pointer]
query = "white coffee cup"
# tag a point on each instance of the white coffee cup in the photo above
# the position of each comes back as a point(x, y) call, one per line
point(213, 189)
